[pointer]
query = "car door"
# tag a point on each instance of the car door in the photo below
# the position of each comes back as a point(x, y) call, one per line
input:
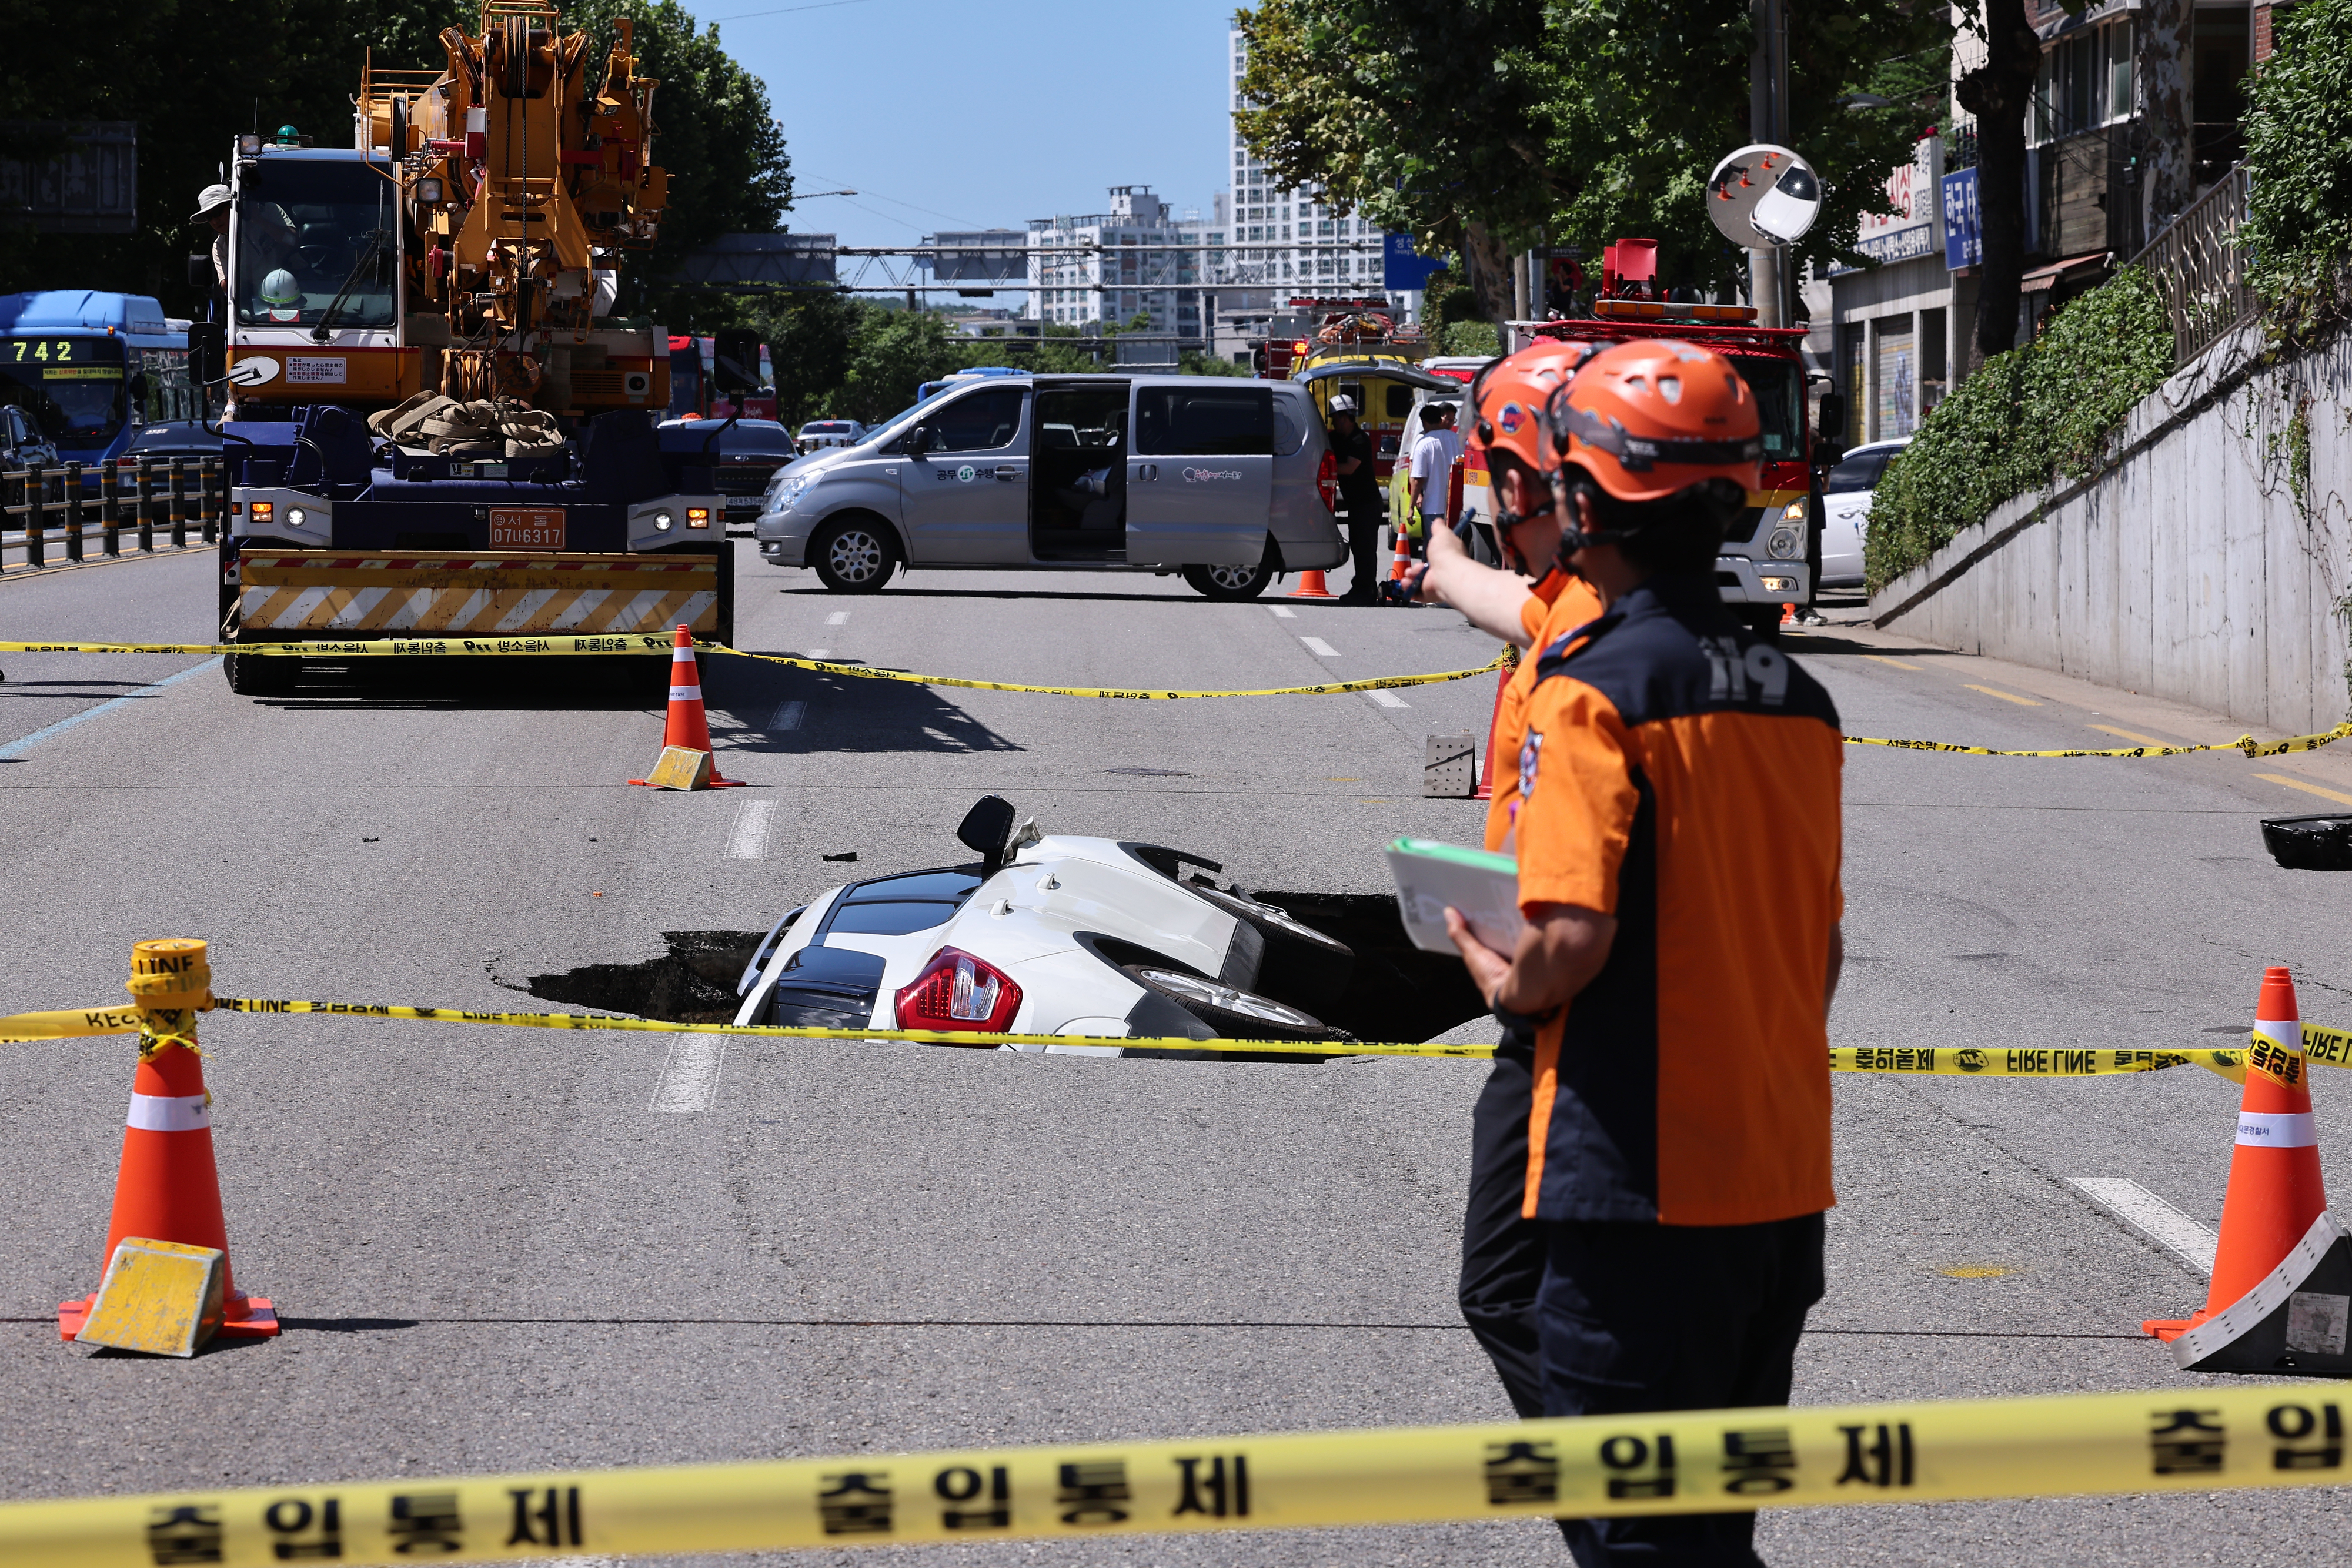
point(967, 493)
point(1200, 473)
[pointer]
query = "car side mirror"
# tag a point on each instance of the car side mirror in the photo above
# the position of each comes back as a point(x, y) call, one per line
point(1832, 412)
point(920, 440)
point(207, 352)
point(985, 828)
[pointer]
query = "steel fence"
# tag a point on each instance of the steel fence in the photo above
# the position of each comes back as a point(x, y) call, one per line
point(2200, 267)
point(69, 502)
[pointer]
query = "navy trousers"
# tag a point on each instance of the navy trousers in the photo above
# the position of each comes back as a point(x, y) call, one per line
point(1502, 1254)
point(1633, 1318)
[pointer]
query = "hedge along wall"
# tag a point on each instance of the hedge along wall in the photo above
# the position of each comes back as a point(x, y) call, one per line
point(2042, 414)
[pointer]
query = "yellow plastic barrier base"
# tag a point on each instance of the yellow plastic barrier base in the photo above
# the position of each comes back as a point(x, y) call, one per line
point(159, 1298)
point(681, 768)
point(2175, 1440)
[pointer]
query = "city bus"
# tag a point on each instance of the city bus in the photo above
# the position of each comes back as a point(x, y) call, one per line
point(90, 368)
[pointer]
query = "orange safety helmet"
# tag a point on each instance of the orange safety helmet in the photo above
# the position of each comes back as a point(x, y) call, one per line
point(1649, 418)
point(1508, 396)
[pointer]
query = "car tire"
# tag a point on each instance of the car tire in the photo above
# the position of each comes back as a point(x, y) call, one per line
point(855, 554)
point(261, 676)
point(1301, 967)
point(1233, 1014)
point(1230, 583)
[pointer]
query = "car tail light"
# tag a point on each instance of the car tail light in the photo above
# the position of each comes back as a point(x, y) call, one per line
point(959, 994)
point(1327, 481)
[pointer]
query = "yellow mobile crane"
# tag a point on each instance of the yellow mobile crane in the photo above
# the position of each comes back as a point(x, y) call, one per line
point(434, 430)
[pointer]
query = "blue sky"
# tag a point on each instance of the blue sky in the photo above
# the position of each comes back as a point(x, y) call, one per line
point(943, 115)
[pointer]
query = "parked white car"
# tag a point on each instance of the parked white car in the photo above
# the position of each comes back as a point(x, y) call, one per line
point(1049, 935)
point(1211, 477)
point(1845, 509)
point(822, 433)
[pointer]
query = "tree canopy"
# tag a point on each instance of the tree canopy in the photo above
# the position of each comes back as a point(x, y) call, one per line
point(1483, 126)
point(194, 76)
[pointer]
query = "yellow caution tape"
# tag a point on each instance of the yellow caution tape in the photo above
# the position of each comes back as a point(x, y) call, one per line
point(2245, 742)
point(651, 643)
point(918, 1036)
point(2331, 1046)
point(1378, 684)
point(2173, 1439)
point(1979, 1062)
point(385, 647)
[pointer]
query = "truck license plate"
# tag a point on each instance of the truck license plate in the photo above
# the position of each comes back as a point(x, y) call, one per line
point(526, 527)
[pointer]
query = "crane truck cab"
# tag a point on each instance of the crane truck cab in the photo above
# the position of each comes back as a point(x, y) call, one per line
point(1772, 555)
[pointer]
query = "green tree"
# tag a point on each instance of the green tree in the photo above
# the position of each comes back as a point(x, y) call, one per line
point(1482, 127)
point(2298, 228)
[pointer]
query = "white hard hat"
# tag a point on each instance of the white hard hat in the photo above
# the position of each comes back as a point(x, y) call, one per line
point(212, 199)
point(1343, 404)
point(279, 289)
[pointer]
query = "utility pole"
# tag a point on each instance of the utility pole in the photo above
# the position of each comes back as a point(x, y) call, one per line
point(1768, 120)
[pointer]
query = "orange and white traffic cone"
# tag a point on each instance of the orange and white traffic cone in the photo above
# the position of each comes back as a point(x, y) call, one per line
point(167, 1187)
point(688, 725)
point(1788, 614)
point(1311, 586)
point(2276, 1233)
point(1402, 567)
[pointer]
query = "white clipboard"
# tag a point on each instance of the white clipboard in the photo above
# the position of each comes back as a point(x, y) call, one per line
point(1432, 876)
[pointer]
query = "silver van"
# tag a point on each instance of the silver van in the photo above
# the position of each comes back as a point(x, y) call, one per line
point(1209, 477)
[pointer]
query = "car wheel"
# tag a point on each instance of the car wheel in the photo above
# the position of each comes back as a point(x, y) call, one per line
point(261, 675)
point(1301, 966)
point(1233, 1014)
point(1229, 583)
point(853, 555)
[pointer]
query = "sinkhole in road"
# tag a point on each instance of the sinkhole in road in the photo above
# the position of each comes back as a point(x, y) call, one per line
point(1394, 991)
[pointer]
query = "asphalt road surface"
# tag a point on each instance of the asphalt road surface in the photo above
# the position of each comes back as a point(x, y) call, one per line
point(492, 1253)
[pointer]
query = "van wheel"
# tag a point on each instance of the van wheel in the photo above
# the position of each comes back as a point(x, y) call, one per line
point(1229, 583)
point(853, 555)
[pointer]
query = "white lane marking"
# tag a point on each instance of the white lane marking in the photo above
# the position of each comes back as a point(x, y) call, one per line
point(820, 653)
point(838, 618)
point(748, 841)
point(18, 747)
point(1319, 648)
point(1284, 611)
point(1388, 699)
point(689, 1078)
point(2154, 1218)
point(788, 715)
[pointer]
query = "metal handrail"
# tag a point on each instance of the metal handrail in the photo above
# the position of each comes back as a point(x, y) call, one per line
point(2200, 267)
point(172, 494)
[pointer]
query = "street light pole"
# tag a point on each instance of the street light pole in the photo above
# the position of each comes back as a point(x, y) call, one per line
point(1770, 282)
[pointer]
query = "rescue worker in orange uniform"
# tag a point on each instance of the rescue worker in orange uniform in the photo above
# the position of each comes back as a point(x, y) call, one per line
point(1532, 604)
point(1678, 845)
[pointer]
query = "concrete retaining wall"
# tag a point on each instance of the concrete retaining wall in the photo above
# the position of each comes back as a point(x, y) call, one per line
point(2187, 570)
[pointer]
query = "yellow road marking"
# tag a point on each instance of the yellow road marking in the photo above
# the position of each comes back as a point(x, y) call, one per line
point(2005, 696)
point(2130, 735)
point(2335, 795)
point(1881, 659)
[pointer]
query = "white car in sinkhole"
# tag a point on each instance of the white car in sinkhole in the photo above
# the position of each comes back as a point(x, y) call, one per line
point(1050, 933)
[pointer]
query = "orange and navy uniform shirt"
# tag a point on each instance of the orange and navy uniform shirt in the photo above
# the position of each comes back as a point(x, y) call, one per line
point(1557, 604)
point(1681, 775)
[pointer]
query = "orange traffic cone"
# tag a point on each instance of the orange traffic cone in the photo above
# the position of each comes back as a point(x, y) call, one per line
point(1400, 567)
point(167, 1189)
point(2274, 1185)
point(1494, 723)
point(1788, 614)
point(1311, 586)
point(687, 724)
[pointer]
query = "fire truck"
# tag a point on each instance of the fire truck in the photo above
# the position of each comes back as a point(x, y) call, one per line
point(1772, 557)
point(437, 429)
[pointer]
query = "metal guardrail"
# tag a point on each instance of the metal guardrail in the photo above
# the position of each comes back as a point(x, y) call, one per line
point(2199, 266)
point(149, 497)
